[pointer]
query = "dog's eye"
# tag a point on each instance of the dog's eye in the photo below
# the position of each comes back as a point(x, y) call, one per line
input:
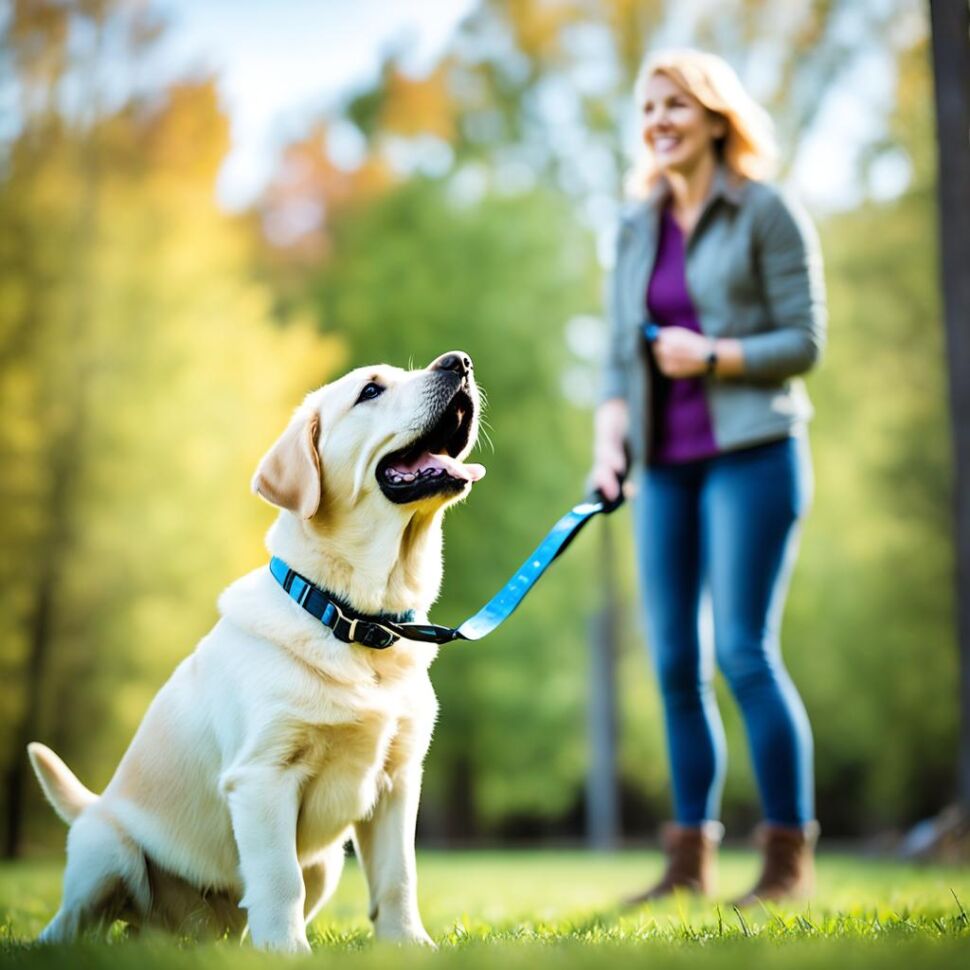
point(369, 392)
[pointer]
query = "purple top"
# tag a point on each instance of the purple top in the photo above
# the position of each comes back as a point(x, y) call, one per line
point(682, 429)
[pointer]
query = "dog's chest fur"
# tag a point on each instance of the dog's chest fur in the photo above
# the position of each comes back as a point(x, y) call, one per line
point(346, 768)
point(347, 720)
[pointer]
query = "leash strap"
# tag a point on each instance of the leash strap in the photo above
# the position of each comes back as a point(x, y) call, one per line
point(383, 631)
point(506, 600)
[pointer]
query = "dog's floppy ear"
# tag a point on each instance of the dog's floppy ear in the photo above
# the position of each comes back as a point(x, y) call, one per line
point(289, 474)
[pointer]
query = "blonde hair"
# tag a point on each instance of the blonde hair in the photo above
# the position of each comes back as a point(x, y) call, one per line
point(747, 149)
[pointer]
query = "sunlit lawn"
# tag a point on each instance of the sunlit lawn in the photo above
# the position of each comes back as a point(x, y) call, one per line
point(557, 909)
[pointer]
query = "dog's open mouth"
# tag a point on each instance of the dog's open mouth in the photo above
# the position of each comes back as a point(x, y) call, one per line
point(430, 464)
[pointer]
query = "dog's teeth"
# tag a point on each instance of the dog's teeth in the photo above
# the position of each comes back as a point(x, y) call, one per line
point(408, 477)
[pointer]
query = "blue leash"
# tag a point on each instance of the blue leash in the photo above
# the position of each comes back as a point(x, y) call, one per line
point(383, 630)
point(504, 602)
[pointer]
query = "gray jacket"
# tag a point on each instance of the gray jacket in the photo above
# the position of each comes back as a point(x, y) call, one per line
point(754, 273)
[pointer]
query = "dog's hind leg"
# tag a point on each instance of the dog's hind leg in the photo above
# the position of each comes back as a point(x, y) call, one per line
point(105, 874)
point(188, 910)
point(321, 878)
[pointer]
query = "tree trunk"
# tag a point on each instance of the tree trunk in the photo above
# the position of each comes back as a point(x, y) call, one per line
point(951, 69)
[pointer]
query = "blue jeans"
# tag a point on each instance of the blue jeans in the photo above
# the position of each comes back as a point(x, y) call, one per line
point(728, 524)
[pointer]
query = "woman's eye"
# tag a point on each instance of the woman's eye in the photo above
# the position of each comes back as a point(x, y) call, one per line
point(369, 392)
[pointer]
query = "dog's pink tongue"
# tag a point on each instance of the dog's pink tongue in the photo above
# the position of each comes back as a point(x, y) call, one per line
point(452, 466)
point(471, 472)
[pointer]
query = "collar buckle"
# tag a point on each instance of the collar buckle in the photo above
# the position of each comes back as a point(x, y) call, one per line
point(376, 636)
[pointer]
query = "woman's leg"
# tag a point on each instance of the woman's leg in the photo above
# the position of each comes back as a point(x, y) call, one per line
point(752, 504)
point(667, 520)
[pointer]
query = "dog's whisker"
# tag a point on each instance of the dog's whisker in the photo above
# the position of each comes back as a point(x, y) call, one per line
point(488, 438)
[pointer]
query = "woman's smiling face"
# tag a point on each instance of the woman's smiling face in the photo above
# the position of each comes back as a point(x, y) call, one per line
point(677, 128)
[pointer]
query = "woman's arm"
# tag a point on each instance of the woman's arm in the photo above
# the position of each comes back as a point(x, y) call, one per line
point(609, 457)
point(790, 264)
point(612, 417)
point(615, 380)
point(790, 270)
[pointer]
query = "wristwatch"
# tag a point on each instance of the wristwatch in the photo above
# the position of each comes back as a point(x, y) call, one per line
point(711, 359)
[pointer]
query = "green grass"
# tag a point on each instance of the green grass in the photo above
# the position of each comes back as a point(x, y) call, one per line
point(534, 909)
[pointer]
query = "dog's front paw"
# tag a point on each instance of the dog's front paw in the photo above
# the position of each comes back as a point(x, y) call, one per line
point(421, 938)
point(288, 944)
point(278, 938)
point(404, 935)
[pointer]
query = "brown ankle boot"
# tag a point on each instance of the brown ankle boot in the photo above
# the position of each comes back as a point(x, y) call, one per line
point(789, 868)
point(691, 861)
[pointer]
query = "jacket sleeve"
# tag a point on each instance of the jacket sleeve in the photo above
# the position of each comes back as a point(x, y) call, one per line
point(790, 264)
point(615, 380)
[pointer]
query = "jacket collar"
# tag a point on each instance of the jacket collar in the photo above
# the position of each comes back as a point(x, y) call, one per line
point(725, 185)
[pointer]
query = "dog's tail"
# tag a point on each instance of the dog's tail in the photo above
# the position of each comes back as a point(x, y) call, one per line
point(68, 796)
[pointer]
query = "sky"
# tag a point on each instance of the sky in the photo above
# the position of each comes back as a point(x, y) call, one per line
point(280, 62)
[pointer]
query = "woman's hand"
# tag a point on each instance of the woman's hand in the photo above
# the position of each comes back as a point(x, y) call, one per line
point(680, 352)
point(609, 456)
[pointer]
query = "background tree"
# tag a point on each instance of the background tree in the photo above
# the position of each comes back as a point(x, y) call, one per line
point(951, 63)
point(151, 347)
point(136, 402)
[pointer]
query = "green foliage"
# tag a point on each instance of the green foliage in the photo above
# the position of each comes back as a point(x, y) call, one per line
point(870, 624)
point(870, 629)
point(137, 400)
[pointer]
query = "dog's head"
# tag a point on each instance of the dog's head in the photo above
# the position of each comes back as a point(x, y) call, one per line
point(380, 438)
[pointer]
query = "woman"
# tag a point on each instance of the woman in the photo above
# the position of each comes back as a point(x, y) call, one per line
point(716, 305)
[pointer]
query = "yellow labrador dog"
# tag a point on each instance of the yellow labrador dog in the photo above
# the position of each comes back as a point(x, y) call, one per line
point(275, 742)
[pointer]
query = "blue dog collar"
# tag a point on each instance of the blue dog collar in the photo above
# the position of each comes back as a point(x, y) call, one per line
point(347, 624)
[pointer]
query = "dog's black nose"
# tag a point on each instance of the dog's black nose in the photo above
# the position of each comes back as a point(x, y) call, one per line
point(455, 360)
